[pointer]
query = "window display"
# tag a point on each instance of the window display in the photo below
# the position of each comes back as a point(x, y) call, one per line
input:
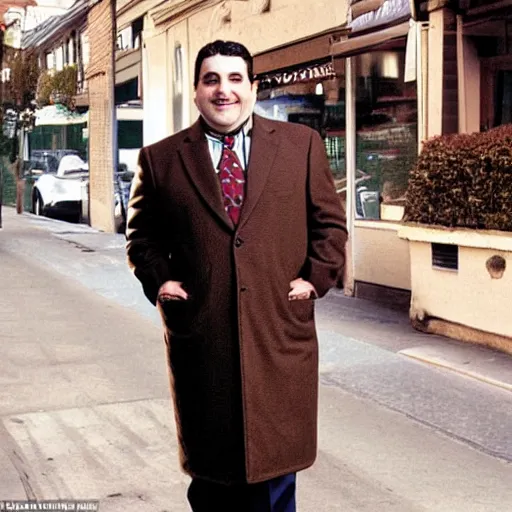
point(313, 96)
point(386, 122)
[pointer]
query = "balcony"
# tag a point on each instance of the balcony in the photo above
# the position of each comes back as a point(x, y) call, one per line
point(128, 65)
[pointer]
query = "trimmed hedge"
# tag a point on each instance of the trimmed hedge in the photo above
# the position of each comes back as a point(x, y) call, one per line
point(463, 180)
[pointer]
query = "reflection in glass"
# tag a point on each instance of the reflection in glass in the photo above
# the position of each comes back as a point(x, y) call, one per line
point(386, 124)
point(314, 96)
point(504, 98)
point(177, 90)
point(386, 120)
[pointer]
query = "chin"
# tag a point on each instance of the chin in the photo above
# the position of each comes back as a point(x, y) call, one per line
point(226, 127)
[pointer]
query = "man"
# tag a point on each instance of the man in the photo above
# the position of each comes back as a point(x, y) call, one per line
point(234, 227)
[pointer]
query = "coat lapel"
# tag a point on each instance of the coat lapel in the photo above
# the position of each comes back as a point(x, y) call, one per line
point(263, 152)
point(197, 161)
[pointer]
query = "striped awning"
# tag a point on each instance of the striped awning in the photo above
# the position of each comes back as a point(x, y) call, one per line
point(374, 22)
point(372, 14)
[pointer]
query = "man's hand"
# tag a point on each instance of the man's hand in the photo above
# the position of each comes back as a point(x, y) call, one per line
point(301, 290)
point(171, 290)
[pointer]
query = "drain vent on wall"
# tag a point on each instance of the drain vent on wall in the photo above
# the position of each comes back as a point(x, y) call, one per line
point(445, 256)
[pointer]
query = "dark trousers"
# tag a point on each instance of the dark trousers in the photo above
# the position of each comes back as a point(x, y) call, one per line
point(276, 495)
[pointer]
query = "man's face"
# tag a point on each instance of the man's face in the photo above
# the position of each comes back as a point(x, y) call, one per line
point(224, 95)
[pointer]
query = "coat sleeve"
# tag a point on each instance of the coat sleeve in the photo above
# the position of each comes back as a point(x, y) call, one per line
point(148, 255)
point(326, 223)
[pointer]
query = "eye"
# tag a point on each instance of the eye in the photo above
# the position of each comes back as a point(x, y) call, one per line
point(210, 79)
point(236, 78)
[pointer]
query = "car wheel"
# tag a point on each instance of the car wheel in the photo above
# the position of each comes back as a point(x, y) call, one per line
point(37, 203)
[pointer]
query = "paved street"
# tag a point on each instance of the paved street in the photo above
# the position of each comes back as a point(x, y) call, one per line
point(408, 422)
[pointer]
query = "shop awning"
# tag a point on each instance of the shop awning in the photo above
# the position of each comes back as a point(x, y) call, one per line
point(367, 42)
point(313, 49)
point(373, 14)
point(59, 115)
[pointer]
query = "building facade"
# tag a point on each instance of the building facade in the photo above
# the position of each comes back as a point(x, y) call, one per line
point(174, 33)
point(348, 69)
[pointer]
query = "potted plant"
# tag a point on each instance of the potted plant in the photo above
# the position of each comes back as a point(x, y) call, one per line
point(458, 221)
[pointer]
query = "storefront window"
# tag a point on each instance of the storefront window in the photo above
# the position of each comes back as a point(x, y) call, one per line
point(386, 133)
point(504, 97)
point(315, 96)
point(177, 91)
point(386, 123)
point(492, 38)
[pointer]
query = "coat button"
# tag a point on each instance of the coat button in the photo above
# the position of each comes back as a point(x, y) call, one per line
point(243, 289)
point(238, 242)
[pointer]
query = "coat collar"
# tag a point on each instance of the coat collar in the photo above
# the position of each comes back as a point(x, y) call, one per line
point(197, 161)
point(195, 154)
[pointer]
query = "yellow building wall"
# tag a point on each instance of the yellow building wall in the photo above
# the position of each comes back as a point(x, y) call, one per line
point(380, 257)
point(469, 87)
point(247, 22)
point(128, 10)
point(435, 73)
point(468, 296)
point(156, 94)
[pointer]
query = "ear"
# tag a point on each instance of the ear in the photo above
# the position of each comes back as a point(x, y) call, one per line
point(254, 90)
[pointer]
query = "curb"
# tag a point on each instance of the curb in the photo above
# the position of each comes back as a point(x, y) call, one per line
point(440, 363)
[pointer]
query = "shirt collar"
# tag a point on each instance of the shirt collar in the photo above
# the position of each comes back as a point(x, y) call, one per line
point(246, 128)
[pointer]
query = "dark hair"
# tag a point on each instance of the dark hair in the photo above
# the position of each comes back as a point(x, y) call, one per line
point(226, 48)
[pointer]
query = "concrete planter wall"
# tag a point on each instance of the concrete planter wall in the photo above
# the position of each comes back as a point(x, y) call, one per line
point(472, 302)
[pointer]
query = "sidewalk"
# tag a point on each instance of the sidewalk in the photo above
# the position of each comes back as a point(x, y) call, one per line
point(85, 406)
point(391, 329)
point(366, 318)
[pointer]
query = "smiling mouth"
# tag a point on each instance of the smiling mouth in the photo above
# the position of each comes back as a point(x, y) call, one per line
point(224, 103)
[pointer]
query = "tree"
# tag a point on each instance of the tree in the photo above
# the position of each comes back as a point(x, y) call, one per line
point(21, 89)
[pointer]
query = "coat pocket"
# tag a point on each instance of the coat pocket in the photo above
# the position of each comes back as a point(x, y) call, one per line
point(178, 316)
point(302, 310)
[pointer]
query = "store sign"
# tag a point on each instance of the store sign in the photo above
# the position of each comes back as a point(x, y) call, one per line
point(308, 74)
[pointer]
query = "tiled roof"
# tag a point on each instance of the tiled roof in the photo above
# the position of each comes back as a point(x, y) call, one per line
point(51, 27)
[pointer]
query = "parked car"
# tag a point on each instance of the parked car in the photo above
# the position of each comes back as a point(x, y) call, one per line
point(59, 194)
point(47, 160)
point(64, 194)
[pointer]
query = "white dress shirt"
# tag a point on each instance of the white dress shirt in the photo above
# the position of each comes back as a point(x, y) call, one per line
point(241, 147)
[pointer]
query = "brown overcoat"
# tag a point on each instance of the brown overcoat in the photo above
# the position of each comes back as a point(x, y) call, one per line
point(243, 359)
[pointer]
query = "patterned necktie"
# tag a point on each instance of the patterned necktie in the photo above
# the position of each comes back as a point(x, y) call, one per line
point(232, 180)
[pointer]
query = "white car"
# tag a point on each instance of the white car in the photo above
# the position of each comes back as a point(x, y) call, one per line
point(65, 194)
point(60, 194)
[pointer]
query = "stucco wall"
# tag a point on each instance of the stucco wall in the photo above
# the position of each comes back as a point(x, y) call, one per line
point(156, 94)
point(284, 22)
point(128, 11)
point(380, 257)
point(468, 296)
point(287, 20)
point(469, 109)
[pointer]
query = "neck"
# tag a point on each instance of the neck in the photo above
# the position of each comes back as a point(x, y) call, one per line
point(220, 135)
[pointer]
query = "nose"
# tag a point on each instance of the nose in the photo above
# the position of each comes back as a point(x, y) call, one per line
point(223, 88)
